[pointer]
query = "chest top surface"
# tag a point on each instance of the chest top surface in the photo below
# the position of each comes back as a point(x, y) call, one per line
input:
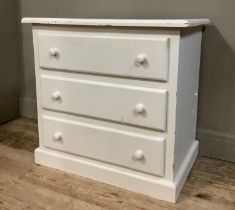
point(168, 23)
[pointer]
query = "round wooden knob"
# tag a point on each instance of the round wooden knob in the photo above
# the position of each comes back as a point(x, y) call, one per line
point(139, 155)
point(56, 95)
point(57, 136)
point(141, 59)
point(53, 52)
point(140, 108)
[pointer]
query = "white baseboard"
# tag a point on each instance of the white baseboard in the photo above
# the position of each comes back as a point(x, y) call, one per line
point(185, 167)
point(28, 107)
point(216, 144)
point(155, 187)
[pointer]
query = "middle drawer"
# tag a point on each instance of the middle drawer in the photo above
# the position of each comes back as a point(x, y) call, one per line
point(134, 105)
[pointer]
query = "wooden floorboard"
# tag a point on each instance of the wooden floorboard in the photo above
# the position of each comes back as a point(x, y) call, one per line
point(24, 185)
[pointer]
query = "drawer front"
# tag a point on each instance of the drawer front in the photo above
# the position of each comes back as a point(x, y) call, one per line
point(132, 105)
point(139, 152)
point(112, 55)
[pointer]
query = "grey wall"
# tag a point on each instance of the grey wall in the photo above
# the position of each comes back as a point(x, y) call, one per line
point(9, 60)
point(216, 117)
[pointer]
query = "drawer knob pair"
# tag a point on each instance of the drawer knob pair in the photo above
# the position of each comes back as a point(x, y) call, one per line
point(140, 108)
point(141, 59)
point(54, 52)
point(56, 95)
point(139, 155)
point(57, 136)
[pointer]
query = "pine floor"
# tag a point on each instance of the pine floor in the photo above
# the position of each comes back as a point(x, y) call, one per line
point(24, 185)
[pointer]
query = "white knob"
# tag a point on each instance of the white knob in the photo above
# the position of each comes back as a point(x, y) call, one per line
point(141, 58)
point(56, 95)
point(140, 108)
point(139, 155)
point(57, 136)
point(53, 52)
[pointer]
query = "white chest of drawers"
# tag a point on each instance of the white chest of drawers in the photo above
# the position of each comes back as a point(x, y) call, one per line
point(117, 100)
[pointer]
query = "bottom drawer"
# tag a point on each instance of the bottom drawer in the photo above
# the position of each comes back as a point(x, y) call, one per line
point(131, 150)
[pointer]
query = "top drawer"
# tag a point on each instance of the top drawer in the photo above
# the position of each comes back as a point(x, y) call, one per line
point(116, 54)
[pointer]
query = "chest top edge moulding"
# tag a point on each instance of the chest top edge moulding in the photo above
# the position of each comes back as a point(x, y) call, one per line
point(181, 23)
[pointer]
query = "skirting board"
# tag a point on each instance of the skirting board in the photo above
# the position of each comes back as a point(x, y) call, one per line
point(28, 107)
point(116, 176)
point(9, 109)
point(216, 144)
